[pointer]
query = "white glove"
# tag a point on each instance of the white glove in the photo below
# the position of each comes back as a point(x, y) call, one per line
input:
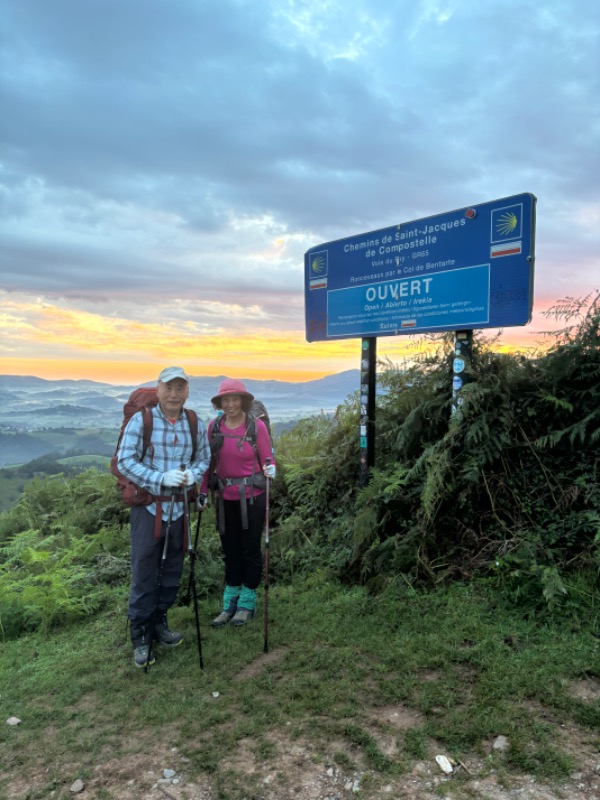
point(174, 477)
point(269, 470)
point(189, 478)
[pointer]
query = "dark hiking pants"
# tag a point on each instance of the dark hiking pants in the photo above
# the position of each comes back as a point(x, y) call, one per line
point(146, 556)
point(242, 548)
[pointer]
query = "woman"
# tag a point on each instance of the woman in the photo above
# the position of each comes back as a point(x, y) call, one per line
point(240, 455)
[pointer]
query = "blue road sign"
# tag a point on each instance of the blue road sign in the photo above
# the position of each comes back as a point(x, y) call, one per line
point(469, 268)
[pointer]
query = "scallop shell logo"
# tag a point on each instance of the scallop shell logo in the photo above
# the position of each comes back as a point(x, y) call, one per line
point(317, 265)
point(507, 223)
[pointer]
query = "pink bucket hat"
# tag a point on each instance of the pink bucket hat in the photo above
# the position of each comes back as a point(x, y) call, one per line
point(231, 386)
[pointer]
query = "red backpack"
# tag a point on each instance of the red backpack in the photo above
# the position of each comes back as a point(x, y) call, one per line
point(144, 400)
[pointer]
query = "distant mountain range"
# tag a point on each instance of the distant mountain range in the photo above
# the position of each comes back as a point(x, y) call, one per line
point(30, 403)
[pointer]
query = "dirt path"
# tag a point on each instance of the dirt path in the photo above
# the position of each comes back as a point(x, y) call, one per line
point(299, 772)
point(302, 769)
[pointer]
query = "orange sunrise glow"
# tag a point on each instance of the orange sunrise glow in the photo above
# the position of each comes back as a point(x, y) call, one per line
point(82, 345)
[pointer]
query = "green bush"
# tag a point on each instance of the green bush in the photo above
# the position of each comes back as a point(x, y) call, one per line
point(508, 490)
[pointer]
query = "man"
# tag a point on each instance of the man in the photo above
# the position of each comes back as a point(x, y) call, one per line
point(164, 470)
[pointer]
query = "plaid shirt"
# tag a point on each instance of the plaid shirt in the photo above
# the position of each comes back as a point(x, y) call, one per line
point(170, 447)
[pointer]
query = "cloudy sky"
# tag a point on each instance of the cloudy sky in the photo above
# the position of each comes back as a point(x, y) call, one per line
point(165, 164)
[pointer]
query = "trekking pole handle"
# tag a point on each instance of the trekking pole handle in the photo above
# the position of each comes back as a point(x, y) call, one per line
point(185, 468)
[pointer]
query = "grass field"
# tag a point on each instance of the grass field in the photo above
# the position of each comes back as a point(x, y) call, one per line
point(368, 689)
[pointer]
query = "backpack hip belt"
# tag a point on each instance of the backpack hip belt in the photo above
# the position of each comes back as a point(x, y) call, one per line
point(252, 481)
point(235, 482)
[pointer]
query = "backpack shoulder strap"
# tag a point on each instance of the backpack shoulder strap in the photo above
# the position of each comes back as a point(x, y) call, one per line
point(251, 436)
point(215, 432)
point(214, 443)
point(147, 434)
point(213, 428)
point(192, 419)
point(251, 430)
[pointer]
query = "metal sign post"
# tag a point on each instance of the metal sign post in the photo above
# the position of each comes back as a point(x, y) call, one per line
point(461, 369)
point(368, 381)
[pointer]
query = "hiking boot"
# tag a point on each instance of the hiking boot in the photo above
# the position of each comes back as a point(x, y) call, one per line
point(221, 620)
point(164, 636)
point(140, 656)
point(242, 616)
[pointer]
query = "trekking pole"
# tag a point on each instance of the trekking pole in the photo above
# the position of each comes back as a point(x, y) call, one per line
point(192, 556)
point(185, 600)
point(161, 569)
point(266, 644)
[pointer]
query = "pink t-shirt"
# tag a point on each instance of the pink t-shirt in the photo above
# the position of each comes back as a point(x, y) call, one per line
point(237, 459)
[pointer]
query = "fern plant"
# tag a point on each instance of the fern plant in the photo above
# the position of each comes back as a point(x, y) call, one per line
point(63, 549)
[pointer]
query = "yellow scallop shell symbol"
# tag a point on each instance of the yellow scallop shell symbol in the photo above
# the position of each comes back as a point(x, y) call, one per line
point(317, 265)
point(507, 223)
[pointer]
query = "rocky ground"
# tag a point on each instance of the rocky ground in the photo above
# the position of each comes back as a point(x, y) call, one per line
point(152, 770)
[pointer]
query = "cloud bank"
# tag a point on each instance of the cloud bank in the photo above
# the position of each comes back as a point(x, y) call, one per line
point(165, 165)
